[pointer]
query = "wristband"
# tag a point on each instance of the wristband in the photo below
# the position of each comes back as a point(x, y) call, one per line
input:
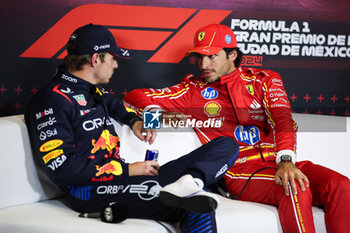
point(285, 154)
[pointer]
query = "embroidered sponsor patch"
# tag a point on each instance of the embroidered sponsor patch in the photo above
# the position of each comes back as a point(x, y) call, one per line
point(50, 145)
point(247, 134)
point(250, 89)
point(112, 167)
point(80, 99)
point(228, 39)
point(209, 93)
point(52, 155)
point(212, 109)
point(201, 36)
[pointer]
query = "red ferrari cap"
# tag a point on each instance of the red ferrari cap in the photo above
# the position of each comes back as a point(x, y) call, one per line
point(210, 39)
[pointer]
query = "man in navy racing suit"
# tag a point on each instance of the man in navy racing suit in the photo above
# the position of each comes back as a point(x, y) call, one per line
point(70, 127)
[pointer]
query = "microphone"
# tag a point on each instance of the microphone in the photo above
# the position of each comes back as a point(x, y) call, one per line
point(90, 215)
point(113, 213)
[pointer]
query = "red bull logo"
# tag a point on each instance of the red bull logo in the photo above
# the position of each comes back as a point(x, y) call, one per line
point(105, 142)
point(112, 167)
point(102, 178)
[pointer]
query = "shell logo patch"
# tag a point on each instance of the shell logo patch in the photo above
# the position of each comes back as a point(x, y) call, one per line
point(212, 109)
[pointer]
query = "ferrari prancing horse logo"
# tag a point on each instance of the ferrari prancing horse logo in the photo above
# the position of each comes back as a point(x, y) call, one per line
point(201, 36)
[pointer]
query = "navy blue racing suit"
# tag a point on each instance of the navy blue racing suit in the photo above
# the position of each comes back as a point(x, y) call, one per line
point(69, 122)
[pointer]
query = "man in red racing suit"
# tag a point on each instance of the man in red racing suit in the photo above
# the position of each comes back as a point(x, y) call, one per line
point(251, 106)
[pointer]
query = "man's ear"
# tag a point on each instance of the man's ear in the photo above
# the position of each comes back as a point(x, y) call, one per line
point(94, 59)
point(232, 55)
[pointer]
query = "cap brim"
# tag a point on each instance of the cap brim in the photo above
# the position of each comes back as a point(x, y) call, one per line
point(121, 53)
point(205, 50)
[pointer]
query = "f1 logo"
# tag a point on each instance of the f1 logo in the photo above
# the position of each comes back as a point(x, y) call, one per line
point(151, 120)
point(167, 31)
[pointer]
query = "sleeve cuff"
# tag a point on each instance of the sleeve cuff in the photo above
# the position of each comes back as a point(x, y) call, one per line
point(126, 169)
point(133, 121)
point(286, 152)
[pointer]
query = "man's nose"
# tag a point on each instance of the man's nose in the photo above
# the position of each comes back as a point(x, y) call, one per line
point(204, 62)
point(115, 64)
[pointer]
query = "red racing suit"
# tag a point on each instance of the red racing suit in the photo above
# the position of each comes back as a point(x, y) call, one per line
point(251, 106)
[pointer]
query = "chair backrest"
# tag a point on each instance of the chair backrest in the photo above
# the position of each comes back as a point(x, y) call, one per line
point(322, 139)
point(20, 181)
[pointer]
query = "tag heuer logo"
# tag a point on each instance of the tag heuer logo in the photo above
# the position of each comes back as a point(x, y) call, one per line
point(80, 99)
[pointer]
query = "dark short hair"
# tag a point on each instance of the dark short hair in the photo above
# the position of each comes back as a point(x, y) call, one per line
point(75, 62)
point(238, 60)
